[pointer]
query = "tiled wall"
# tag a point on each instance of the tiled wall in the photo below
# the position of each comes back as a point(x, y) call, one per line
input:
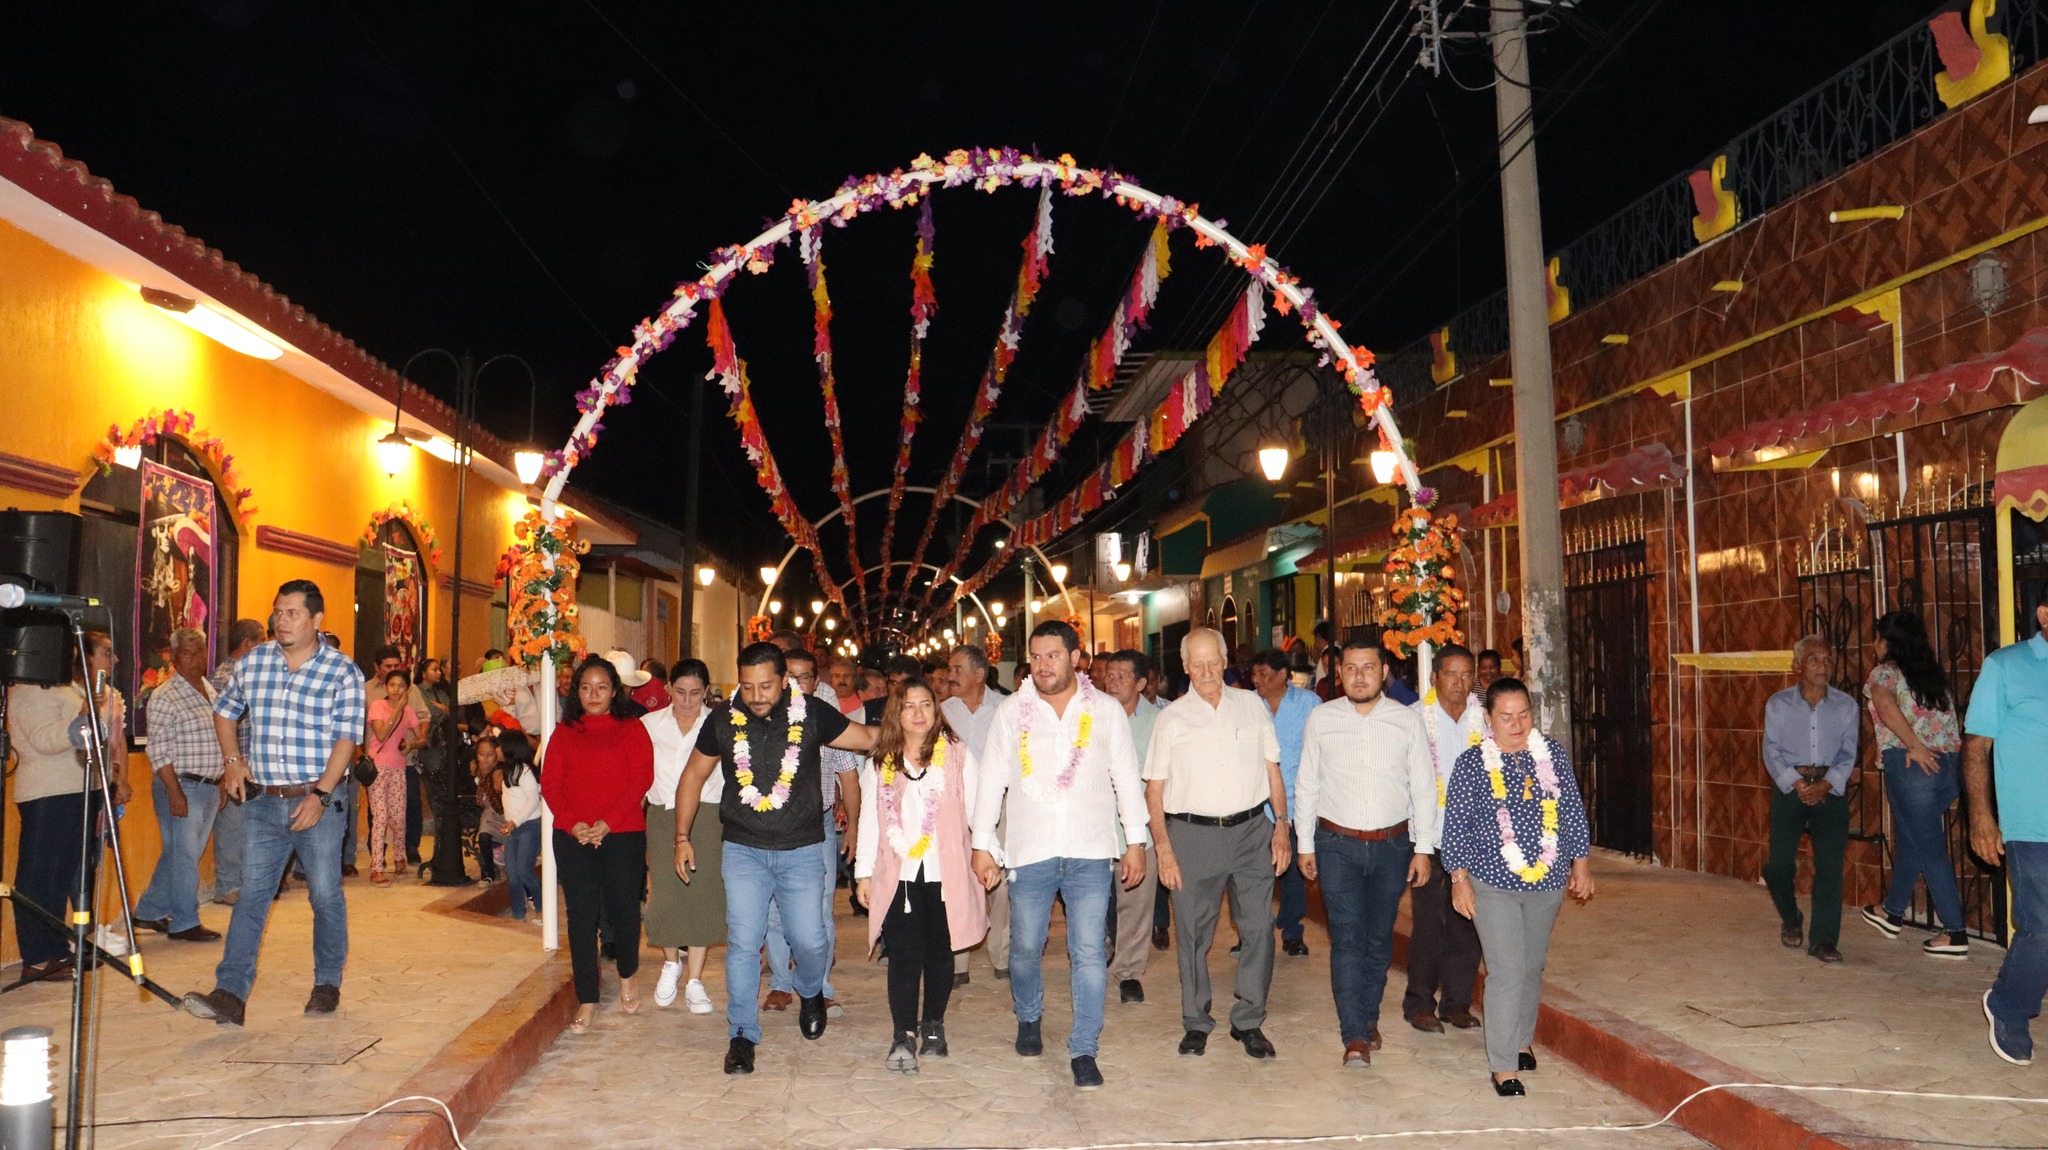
point(1970, 179)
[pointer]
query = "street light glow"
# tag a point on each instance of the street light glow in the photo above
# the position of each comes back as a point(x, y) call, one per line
point(775, 606)
point(1273, 461)
point(768, 575)
point(705, 575)
point(1384, 464)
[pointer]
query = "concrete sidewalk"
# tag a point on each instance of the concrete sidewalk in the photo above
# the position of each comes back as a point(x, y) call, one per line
point(1694, 960)
point(415, 979)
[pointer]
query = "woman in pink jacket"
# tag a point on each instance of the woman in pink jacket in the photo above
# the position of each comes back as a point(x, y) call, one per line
point(912, 849)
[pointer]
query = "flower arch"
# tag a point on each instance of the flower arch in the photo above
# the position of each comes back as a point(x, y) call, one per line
point(183, 426)
point(430, 543)
point(987, 170)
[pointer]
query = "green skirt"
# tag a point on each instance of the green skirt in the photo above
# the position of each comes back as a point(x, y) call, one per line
point(678, 913)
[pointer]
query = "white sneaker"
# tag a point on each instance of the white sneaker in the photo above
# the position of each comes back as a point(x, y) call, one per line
point(665, 987)
point(695, 998)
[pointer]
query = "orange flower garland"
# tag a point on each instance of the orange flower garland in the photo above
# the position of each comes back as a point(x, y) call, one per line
point(430, 543)
point(182, 425)
point(542, 616)
point(1425, 600)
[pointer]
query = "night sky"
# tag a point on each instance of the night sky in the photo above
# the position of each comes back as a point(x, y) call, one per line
point(536, 177)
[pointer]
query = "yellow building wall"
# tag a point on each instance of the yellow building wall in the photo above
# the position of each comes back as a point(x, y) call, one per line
point(80, 351)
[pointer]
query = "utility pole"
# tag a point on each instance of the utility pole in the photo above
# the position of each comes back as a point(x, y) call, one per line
point(686, 621)
point(1541, 536)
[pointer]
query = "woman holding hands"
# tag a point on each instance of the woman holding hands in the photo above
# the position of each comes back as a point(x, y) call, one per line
point(1514, 842)
point(595, 776)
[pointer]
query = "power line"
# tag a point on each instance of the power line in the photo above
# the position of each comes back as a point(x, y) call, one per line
point(1117, 113)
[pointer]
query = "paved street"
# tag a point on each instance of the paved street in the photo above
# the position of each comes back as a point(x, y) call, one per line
point(414, 980)
point(643, 1081)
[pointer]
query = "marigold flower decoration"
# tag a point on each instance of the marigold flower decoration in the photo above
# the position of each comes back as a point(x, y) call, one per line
point(759, 627)
point(430, 543)
point(184, 426)
point(542, 619)
point(1425, 599)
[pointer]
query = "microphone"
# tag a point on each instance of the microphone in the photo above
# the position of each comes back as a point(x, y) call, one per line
point(14, 595)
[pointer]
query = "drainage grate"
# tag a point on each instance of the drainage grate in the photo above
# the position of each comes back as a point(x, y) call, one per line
point(1751, 1017)
point(301, 1050)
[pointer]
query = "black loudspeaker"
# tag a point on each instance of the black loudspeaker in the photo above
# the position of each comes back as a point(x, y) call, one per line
point(42, 546)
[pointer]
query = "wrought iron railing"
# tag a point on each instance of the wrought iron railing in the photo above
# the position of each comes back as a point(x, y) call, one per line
point(1879, 99)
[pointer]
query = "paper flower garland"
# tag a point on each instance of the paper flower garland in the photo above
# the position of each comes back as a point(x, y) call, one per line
point(1425, 599)
point(181, 425)
point(924, 300)
point(430, 544)
point(541, 615)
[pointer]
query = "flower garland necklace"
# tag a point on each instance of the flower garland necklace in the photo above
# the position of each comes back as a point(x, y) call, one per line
point(1472, 739)
point(743, 756)
point(1546, 781)
point(892, 821)
point(1034, 784)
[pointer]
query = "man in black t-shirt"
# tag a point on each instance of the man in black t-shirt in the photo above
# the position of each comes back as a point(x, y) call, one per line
point(772, 813)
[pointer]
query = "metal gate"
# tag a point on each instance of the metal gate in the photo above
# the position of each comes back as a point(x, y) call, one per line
point(1835, 601)
point(1607, 597)
point(1940, 566)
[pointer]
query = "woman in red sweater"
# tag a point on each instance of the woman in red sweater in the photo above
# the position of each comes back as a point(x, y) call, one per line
point(598, 767)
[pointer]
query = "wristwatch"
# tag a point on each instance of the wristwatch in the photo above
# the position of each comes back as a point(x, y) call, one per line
point(324, 795)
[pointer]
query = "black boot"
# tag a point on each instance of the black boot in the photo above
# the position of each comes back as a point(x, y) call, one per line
point(1029, 1044)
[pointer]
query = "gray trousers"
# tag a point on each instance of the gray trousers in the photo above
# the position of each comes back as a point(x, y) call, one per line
point(1514, 934)
point(1214, 860)
point(1133, 938)
point(998, 938)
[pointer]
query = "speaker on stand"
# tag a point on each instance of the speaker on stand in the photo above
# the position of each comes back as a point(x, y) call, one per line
point(40, 547)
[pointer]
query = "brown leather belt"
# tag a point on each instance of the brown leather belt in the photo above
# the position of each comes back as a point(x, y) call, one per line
point(1216, 820)
point(1381, 835)
point(295, 791)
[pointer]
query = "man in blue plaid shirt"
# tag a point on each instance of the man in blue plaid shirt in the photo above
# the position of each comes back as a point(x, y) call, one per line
point(304, 701)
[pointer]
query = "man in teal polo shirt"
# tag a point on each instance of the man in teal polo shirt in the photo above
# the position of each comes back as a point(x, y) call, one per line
point(2009, 707)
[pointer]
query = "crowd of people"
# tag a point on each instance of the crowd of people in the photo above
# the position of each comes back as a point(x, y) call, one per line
point(961, 812)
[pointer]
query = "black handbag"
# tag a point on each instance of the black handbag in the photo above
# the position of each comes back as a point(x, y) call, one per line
point(364, 768)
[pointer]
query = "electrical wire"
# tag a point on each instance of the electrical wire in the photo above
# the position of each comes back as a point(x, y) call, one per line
point(1587, 1128)
point(1117, 112)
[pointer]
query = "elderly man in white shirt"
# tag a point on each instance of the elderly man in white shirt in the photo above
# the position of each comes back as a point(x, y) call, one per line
point(1366, 814)
point(1212, 767)
point(971, 710)
point(1443, 945)
point(1063, 775)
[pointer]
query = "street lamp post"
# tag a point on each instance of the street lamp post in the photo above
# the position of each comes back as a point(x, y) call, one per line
point(446, 867)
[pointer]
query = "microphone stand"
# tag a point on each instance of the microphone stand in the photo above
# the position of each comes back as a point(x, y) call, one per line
point(86, 951)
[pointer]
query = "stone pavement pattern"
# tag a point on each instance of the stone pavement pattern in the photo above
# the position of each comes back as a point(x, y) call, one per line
point(1697, 957)
point(414, 980)
point(654, 1079)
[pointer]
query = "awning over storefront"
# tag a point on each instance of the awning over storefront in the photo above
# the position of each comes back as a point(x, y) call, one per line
point(2027, 360)
point(1365, 544)
point(1246, 552)
point(1642, 469)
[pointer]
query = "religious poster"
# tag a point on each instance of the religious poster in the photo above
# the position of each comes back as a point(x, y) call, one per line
point(402, 603)
point(174, 576)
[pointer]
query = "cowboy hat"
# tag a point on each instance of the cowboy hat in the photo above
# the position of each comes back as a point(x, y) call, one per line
point(629, 669)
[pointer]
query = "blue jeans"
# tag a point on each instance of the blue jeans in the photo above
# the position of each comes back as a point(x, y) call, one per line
point(227, 848)
point(1918, 801)
point(173, 891)
point(345, 795)
point(2023, 980)
point(1293, 893)
point(796, 882)
point(1085, 885)
point(780, 965)
point(1362, 884)
point(268, 840)
point(522, 854)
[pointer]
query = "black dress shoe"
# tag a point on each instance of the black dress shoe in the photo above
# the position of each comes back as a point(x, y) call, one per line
point(217, 1004)
point(1426, 1023)
point(1294, 947)
point(1792, 937)
point(810, 1016)
point(1086, 1075)
point(325, 999)
point(1029, 1043)
point(1525, 1060)
point(739, 1057)
point(195, 934)
point(1507, 1087)
point(1194, 1042)
point(1463, 1019)
point(159, 925)
point(1161, 938)
point(1130, 990)
point(1824, 952)
point(1255, 1042)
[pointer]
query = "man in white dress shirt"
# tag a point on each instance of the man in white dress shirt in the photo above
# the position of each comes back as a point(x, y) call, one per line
point(1062, 774)
point(1443, 947)
point(1367, 819)
point(971, 710)
point(1211, 768)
